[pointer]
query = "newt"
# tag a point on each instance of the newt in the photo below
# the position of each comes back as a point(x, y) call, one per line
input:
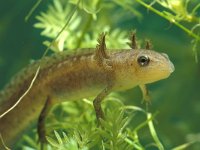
point(64, 77)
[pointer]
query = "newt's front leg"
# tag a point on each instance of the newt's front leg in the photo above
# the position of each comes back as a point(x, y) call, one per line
point(145, 93)
point(105, 63)
point(97, 102)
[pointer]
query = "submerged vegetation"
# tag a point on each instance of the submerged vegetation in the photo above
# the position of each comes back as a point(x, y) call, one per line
point(77, 130)
point(183, 14)
point(128, 125)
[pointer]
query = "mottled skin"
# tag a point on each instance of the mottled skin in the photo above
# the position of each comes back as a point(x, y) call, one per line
point(64, 78)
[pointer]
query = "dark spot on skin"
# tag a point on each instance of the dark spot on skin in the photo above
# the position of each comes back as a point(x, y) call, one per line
point(33, 110)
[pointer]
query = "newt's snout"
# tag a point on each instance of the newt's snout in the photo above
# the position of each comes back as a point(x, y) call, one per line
point(171, 65)
point(172, 68)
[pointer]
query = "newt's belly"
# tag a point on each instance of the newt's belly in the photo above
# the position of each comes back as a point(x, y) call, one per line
point(77, 85)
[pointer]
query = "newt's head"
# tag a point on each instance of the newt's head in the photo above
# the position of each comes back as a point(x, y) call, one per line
point(151, 66)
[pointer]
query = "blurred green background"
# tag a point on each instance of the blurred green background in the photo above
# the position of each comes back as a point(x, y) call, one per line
point(177, 98)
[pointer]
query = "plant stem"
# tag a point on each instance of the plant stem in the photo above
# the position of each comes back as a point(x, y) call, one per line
point(153, 132)
point(87, 25)
point(169, 19)
point(32, 10)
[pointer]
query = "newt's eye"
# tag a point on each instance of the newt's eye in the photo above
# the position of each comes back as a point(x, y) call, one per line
point(143, 60)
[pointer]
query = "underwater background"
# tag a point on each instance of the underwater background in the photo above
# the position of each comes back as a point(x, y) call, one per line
point(176, 99)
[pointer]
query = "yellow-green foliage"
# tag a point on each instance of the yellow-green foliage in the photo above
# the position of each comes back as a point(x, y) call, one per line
point(72, 125)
